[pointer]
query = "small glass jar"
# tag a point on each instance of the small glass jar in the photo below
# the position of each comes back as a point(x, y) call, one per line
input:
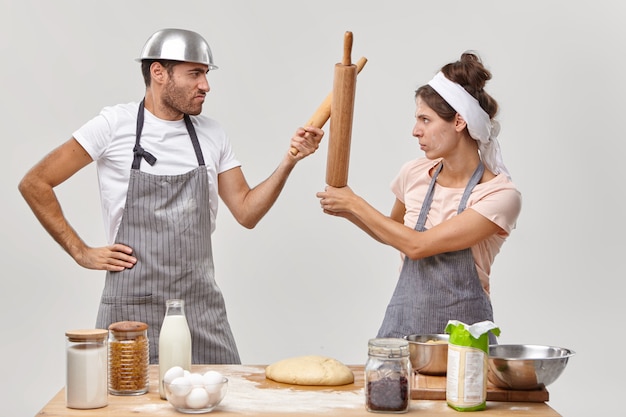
point(86, 369)
point(388, 376)
point(129, 356)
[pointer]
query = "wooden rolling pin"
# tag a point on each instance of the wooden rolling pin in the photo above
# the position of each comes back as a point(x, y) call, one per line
point(342, 108)
point(322, 114)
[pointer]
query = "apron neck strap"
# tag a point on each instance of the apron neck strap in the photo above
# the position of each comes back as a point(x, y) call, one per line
point(194, 140)
point(475, 179)
point(140, 153)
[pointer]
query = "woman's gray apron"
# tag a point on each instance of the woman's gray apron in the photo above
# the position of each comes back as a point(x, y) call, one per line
point(433, 290)
point(167, 222)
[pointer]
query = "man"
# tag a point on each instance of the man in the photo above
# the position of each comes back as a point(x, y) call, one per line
point(161, 166)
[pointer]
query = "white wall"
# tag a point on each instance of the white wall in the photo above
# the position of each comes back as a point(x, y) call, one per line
point(303, 282)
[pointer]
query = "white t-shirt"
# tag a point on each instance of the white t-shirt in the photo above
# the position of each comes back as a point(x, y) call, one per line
point(498, 200)
point(109, 139)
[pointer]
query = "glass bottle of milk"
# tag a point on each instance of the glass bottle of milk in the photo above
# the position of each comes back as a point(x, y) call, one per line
point(174, 341)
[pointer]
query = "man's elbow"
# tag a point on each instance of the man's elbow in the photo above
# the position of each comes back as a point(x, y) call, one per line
point(248, 223)
point(25, 186)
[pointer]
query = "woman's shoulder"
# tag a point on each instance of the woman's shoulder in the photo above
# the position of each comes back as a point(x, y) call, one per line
point(413, 175)
point(499, 183)
point(418, 165)
point(499, 200)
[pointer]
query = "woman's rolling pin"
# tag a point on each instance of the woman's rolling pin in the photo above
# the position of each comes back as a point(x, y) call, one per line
point(342, 108)
point(322, 114)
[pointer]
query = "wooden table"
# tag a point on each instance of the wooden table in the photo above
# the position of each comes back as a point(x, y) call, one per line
point(250, 393)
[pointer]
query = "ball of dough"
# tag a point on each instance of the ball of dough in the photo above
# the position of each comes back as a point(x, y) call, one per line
point(310, 370)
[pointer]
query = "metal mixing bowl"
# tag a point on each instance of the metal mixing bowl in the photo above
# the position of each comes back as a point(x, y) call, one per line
point(526, 367)
point(178, 45)
point(429, 353)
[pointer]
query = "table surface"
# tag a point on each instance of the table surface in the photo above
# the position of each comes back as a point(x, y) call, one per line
point(250, 393)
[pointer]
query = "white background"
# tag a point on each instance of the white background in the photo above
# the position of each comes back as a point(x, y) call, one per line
point(303, 282)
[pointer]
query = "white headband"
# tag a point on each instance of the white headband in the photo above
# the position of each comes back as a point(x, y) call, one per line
point(479, 124)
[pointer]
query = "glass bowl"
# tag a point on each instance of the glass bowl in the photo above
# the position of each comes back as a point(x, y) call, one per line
point(196, 393)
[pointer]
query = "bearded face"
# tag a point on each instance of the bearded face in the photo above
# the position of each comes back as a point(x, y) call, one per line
point(186, 88)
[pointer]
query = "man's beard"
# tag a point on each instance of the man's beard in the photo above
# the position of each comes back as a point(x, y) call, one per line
point(176, 100)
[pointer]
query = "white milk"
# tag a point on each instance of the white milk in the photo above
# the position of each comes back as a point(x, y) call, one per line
point(86, 376)
point(174, 346)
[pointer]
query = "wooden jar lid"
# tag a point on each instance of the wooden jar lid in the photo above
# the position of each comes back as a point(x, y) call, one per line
point(128, 326)
point(84, 335)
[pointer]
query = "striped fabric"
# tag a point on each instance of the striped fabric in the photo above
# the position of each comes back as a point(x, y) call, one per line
point(433, 290)
point(166, 221)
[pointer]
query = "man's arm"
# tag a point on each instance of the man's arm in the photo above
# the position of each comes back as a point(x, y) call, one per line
point(37, 188)
point(249, 205)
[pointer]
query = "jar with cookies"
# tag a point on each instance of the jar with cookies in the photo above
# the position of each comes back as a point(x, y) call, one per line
point(129, 357)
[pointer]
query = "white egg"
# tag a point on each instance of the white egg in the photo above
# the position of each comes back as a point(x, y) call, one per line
point(172, 373)
point(215, 397)
point(180, 386)
point(213, 381)
point(197, 398)
point(196, 380)
point(177, 402)
point(212, 377)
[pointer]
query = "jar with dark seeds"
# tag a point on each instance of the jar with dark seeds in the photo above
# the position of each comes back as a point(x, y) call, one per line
point(388, 376)
point(388, 394)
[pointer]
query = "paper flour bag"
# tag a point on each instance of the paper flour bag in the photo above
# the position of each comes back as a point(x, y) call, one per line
point(468, 350)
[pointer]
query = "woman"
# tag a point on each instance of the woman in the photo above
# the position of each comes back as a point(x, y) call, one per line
point(454, 207)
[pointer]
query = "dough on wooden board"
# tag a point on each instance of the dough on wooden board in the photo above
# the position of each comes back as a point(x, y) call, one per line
point(310, 370)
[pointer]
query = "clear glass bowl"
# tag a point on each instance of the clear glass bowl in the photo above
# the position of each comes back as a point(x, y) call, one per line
point(195, 398)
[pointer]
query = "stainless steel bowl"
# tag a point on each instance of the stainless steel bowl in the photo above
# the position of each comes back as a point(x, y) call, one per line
point(526, 367)
point(429, 353)
point(178, 45)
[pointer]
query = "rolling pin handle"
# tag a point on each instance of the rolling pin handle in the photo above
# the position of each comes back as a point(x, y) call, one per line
point(347, 49)
point(322, 114)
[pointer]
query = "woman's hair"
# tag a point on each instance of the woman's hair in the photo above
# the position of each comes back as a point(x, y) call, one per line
point(468, 72)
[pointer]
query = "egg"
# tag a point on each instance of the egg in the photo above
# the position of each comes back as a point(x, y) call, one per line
point(214, 397)
point(180, 386)
point(212, 381)
point(212, 377)
point(196, 380)
point(177, 402)
point(173, 373)
point(197, 398)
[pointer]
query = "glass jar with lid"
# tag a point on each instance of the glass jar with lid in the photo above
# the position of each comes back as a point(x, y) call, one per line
point(86, 368)
point(129, 357)
point(388, 376)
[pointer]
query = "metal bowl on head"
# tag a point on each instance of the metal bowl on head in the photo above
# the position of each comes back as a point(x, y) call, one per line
point(526, 367)
point(178, 45)
point(429, 353)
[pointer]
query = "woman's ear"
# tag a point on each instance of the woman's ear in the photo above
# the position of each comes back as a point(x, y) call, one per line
point(459, 123)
